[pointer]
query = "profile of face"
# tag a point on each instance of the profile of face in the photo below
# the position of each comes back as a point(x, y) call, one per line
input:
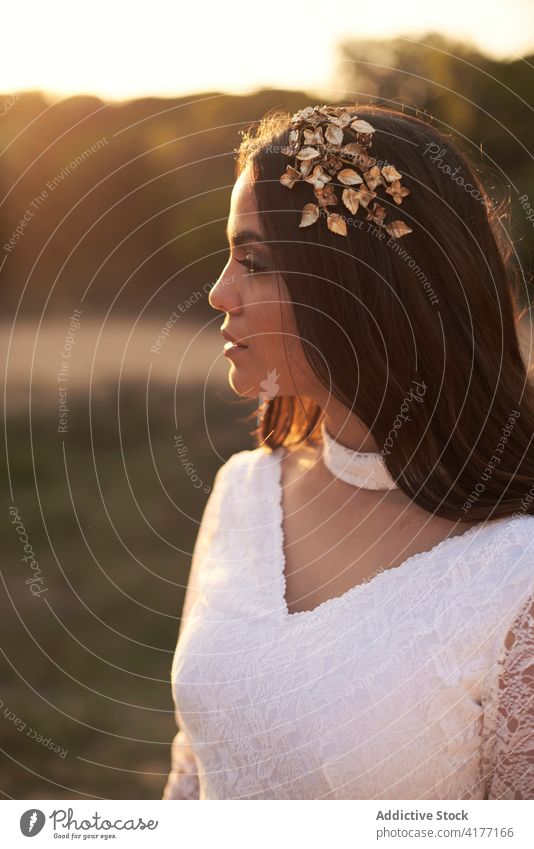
point(258, 310)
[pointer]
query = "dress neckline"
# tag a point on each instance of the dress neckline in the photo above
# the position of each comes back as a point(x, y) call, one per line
point(364, 469)
point(371, 583)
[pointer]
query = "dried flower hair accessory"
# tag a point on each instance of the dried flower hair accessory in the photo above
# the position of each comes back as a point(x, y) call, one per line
point(321, 153)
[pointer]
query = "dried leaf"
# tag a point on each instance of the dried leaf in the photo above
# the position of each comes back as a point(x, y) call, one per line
point(376, 214)
point(364, 161)
point(305, 167)
point(351, 200)
point(349, 177)
point(336, 223)
point(365, 196)
point(304, 114)
point(318, 177)
point(320, 157)
point(334, 134)
point(329, 110)
point(353, 149)
point(333, 164)
point(390, 173)
point(342, 119)
point(362, 127)
point(373, 178)
point(310, 214)
point(361, 158)
point(397, 229)
point(290, 177)
point(397, 191)
point(307, 153)
point(326, 196)
point(314, 136)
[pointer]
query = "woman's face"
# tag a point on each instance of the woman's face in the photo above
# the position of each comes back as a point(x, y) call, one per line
point(259, 312)
point(258, 309)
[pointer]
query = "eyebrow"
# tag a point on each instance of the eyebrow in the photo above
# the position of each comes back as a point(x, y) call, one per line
point(242, 237)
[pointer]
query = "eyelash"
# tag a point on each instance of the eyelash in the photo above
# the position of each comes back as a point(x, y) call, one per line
point(250, 266)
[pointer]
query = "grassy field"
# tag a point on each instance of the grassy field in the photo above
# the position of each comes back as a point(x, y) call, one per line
point(111, 516)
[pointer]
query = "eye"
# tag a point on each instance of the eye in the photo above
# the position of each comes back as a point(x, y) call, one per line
point(250, 263)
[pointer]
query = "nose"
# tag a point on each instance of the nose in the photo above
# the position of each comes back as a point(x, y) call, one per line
point(224, 294)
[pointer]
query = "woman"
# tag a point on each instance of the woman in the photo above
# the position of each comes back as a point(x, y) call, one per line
point(359, 617)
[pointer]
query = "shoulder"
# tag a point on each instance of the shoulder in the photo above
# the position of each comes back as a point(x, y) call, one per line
point(524, 522)
point(249, 466)
point(247, 480)
point(502, 555)
point(513, 536)
point(508, 583)
point(263, 465)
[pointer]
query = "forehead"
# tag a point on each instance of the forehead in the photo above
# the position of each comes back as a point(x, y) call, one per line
point(243, 210)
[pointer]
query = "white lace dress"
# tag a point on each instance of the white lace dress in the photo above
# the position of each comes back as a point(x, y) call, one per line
point(417, 684)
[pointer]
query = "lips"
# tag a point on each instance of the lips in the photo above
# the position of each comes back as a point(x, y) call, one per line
point(233, 346)
point(231, 341)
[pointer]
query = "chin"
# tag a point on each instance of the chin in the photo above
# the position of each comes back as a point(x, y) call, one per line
point(241, 386)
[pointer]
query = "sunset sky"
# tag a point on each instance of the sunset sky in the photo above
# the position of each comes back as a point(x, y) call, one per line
point(122, 50)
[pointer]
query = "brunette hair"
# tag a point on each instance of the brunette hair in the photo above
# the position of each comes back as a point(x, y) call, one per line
point(417, 336)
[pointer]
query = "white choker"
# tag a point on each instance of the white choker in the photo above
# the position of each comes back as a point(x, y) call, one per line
point(365, 469)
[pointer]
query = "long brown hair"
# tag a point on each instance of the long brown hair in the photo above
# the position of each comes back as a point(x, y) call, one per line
point(416, 336)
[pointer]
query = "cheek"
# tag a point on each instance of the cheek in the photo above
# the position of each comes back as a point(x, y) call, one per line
point(277, 346)
point(272, 331)
point(276, 358)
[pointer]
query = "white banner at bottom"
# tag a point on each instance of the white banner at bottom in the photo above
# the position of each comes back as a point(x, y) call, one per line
point(269, 824)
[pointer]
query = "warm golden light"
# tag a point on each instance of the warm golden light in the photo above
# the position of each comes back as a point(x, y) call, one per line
point(119, 50)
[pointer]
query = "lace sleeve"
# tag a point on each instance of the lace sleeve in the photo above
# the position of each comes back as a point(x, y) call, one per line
point(511, 763)
point(182, 782)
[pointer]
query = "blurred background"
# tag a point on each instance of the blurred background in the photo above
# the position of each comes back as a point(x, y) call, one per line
point(117, 131)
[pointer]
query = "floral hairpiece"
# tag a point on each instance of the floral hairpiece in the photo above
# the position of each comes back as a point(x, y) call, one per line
point(321, 153)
